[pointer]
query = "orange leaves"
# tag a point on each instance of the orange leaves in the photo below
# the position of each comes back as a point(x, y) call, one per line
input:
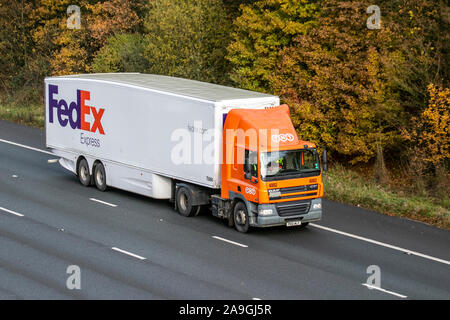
point(110, 17)
point(434, 134)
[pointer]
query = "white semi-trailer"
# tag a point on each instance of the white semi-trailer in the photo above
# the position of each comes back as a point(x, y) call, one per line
point(162, 137)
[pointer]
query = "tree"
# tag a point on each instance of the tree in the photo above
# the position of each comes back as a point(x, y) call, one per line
point(350, 88)
point(15, 43)
point(188, 39)
point(122, 53)
point(432, 130)
point(333, 79)
point(72, 50)
point(261, 31)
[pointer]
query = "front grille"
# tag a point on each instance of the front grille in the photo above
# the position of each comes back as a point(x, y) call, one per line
point(276, 194)
point(303, 195)
point(298, 189)
point(293, 208)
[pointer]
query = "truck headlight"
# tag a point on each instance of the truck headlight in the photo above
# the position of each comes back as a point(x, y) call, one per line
point(317, 206)
point(265, 212)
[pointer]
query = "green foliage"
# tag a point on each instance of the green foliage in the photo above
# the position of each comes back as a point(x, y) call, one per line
point(263, 29)
point(121, 53)
point(188, 39)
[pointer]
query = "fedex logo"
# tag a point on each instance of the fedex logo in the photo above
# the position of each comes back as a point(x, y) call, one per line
point(65, 112)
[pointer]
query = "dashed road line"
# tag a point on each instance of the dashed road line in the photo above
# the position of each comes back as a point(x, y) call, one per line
point(129, 253)
point(229, 241)
point(11, 212)
point(384, 290)
point(103, 202)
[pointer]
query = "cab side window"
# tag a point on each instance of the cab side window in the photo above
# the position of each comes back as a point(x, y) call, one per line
point(251, 163)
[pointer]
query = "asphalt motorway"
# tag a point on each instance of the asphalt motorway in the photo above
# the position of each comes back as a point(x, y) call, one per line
point(128, 246)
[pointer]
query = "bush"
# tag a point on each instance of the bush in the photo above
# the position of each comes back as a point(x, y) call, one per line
point(188, 39)
point(121, 53)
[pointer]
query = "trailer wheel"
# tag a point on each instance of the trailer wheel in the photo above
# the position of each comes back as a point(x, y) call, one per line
point(184, 203)
point(83, 173)
point(240, 217)
point(100, 176)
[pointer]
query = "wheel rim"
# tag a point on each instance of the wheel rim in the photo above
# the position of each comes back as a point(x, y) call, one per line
point(240, 217)
point(99, 177)
point(83, 173)
point(183, 201)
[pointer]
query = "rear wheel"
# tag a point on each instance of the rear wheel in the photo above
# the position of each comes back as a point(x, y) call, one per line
point(100, 176)
point(184, 203)
point(240, 216)
point(83, 173)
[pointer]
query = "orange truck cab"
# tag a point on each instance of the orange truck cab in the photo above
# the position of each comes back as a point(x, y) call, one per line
point(268, 176)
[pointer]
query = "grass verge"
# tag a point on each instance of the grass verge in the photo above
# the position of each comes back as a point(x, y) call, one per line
point(346, 186)
point(31, 115)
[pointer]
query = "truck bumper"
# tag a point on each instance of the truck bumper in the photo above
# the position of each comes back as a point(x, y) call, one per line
point(278, 218)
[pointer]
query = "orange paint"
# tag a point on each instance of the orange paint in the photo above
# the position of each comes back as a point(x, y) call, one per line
point(265, 130)
point(84, 110)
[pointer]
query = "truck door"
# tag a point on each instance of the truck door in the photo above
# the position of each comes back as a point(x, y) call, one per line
point(250, 179)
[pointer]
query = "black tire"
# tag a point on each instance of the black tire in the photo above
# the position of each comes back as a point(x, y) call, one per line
point(100, 176)
point(240, 217)
point(184, 203)
point(83, 173)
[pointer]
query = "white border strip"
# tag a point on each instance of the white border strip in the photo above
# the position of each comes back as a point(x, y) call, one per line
point(128, 253)
point(12, 212)
point(229, 241)
point(385, 291)
point(26, 147)
point(382, 244)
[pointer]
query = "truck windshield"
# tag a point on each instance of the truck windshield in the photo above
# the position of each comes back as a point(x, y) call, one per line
point(289, 164)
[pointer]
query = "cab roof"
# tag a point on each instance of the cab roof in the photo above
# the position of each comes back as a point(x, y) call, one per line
point(272, 127)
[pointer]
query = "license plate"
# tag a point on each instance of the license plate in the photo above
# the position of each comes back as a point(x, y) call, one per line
point(293, 223)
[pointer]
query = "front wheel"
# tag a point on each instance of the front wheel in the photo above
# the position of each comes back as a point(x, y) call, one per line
point(240, 216)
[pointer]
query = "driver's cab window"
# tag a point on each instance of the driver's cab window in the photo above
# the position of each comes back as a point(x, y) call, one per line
point(309, 160)
point(251, 163)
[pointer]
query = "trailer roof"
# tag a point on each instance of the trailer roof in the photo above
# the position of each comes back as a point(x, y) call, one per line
point(185, 87)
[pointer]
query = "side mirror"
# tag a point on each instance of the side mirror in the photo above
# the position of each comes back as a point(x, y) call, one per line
point(325, 159)
point(248, 175)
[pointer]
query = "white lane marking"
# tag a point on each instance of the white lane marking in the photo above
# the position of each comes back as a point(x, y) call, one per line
point(128, 253)
point(229, 241)
point(385, 291)
point(52, 160)
point(12, 212)
point(103, 202)
point(26, 147)
point(382, 244)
